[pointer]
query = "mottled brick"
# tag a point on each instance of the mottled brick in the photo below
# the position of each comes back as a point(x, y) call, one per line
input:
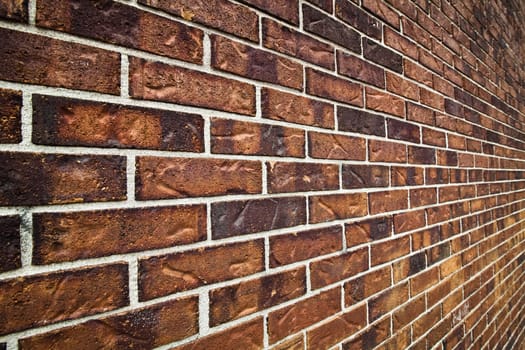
point(365, 176)
point(409, 221)
point(89, 234)
point(10, 253)
point(400, 130)
point(44, 299)
point(284, 9)
point(239, 137)
point(384, 102)
point(358, 69)
point(421, 155)
point(331, 270)
point(330, 87)
point(244, 217)
point(330, 146)
point(400, 43)
point(401, 86)
point(384, 151)
point(301, 177)
point(381, 55)
point(14, 10)
point(387, 301)
point(420, 114)
point(381, 10)
point(384, 201)
point(370, 338)
point(72, 122)
point(416, 72)
point(10, 116)
point(368, 230)
point(369, 284)
point(408, 313)
point(357, 18)
point(337, 207)
point(407, 176)
point(359, 121)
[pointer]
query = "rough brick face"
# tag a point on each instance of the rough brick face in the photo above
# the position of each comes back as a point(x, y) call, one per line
point(10, 116)
point(299, 177)
point(328, 86)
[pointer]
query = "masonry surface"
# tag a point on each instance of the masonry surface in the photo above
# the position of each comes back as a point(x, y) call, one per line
point(262, 174)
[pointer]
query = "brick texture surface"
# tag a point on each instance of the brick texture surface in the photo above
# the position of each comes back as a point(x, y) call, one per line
point(262, 174)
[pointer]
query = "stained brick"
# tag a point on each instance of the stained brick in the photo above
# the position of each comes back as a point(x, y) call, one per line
point(387, 300)
point(422, 196)
point(400, 43)
point(337, 207)
point(358, 18)
point(409, 221)
point(359, 121)
point(421, 114)
point(358, 69)
point(285, 9)
point(369, 284)
point(381, 10)
point(407, 176)
point(400, 86)
point(10, 253)
point(408, 313)
point(400, 130)
point(330, 87)
point(374, 335)
point(330, 146)
point(421, 155)
point(365, 176)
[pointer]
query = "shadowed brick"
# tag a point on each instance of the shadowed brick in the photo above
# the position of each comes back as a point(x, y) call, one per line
point(10, 116)
point(10, 254)
point(356, 68)
point(355, 120)
point(383, 56)
point(14, 10)
point(400, 130)
point(374, 335)
point(357, 18)
point(421, 155)
point(284, 9)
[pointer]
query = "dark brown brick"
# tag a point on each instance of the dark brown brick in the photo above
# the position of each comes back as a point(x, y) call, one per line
point(384, 151)
point(426, 321)
point(355, 120)
point(381, 10)
point(331, 270)
point(238, 137)
point(331, 146)
point(407, 176)
point(166, 322)
point(72, 122)
point(435, 176)
point(384, 201)
point(293, 43)
point(421, 155)
point(382, 55)
point(284, 9)
point(250, 216)
point(10, 115)
point(44, 299)
point(249, 62)
point(384, 102)
point(368, 230)
point(431, 99)
point(369, 284)
point(247, 336)
point(317, 22)
point(245, 298)
point(36, 178)
point(330, 87)
point(223, 15)
point(34, 59)
point(408, 313)
point(298, 246)
point(14, 10)
point(374, 335)
point(293, 318)
point(387, 301)
point(365, 176)
point(160, 82)
point(123, 25)
point(447, 158)
point(400, 86)
point(162, 178)
point(300, 177)
point(357, 18)
point(70, 236)
point(337, 207)
point(358, 69)
point(168, 274)
point(10, 254)
point(400, 130)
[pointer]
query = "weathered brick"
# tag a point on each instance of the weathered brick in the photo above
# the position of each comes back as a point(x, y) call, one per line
point(10, 115)
point(337, 207)
point(384, 151)
point(381, 55)
point(408, 266)
point(162, 178)
point(124, 25)
point(359, 121)
point(331, 270)
point(245, 298)
point(421, 155)
point(34, 59)
point(171, 273)
point(337, 329)
point(384, 102)
point(447, 158)
point(10, 254)
point(401, 86)
point(389, 250)
point(293, 318)
point(368, 230)
point(416, 33)
point(247, 336)
point(161, 82)
point(400, 130)
point(330, 87)
point(365, 176)
point(317, 22)
point(330, 146)
point(381, 10)
point(370, 338)
point(14, 10)
point(244, 217)
point(387, 301)
point(369, 284)
point(234, 57)
point(73, 122)
point(147, 327)
point(88, 234)
point(358, 69)
point(300, 177)
point(36, 178)
point(430, 61)
point(284, 9)
point(283, 106)
point(238, 137)
point(293, 43)
point(357, 18)
point(44, 299)
point(384, 201)
point(407, 176)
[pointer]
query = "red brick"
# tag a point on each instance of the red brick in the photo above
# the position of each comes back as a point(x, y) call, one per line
point(247, 336)
point(433, 137)
point(421, 155)
point(381, 10)
point(324, 4)
point(406, 176)
point(331, 270)
point(33, 59)
point(72, 122)
point(358, 18)
point(284, 9)
point(10, 115)
point(282, 106)
point(409, 221)
point(416, 33)
point(431, 99)
point(238, 137)
point(400, 43)
point(10, 253)
point(337, 207)
point(386, 301)
point(168, 274)
point(88, 234)
point(14, 10)
point(219, 14)
point(301, 177)
point(166, 322)
point(369, 284)
point(422, 197)
point(384, 102)
point(330, 87)
point(430, 61)
point(298, 246)
point(382, 55)
point(403, 87)
point(234, 57)
point(365, 176)
point(293, 318)
point(245, 298)
point(36, 178)
point(385, 201)
point(389, 250)
point(330, 146)
point(124, 25)
point(356, 68)
point(384, 151)
point(293, 43)
point(418, 73)
point(420, 114)
point(160, 82)
point(44, 299)
point(368, 230)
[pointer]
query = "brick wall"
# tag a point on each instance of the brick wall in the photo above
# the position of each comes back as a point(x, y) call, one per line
point(279, 174)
